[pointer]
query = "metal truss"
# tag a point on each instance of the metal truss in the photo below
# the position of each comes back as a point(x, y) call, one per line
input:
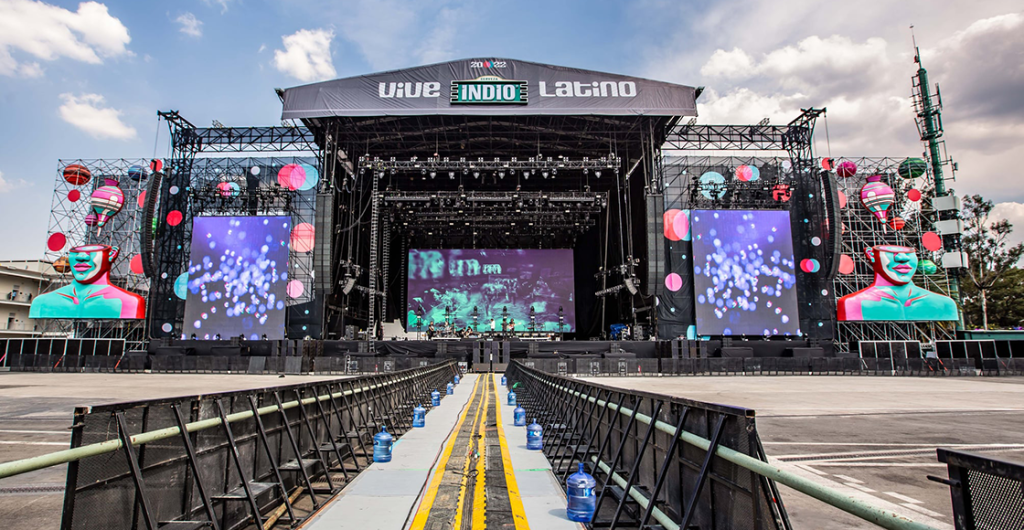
point(862, 230)
point(794, 137)
point(610, 162)
point(255, 139)
point(67, 217)
point(549, 219)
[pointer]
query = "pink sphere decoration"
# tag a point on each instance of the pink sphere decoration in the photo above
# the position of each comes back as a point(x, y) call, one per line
point(846, 169)
point(56, 241)
point(673, 282)
point(303, 237)
point(295, 289)
point(90, 219)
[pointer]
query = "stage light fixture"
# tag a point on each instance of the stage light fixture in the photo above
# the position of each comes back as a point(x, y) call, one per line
point(476, 173)
point(597, 173)
point(545, 172)
point(451, 175)
point(433, 173)
point(501, 174)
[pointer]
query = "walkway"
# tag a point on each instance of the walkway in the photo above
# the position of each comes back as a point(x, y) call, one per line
point(467, 469)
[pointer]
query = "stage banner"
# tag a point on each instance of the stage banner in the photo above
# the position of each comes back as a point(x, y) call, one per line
point(489, 87)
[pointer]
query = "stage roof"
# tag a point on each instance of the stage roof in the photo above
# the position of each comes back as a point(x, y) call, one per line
point(488, 87)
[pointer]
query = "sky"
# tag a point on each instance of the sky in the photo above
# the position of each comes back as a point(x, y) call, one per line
point(85, 80)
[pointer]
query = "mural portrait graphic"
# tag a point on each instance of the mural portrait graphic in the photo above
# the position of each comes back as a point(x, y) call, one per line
point(90, 293)
point(893, 296)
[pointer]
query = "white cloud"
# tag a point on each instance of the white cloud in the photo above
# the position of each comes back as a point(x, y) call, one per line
point(222, 3)
point(6, 186)
point(1013, 212)
point(306, 55)
point(190, 25)
point(87, 113)
point(48, 32)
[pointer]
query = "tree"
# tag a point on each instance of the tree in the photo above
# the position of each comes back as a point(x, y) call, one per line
point(989, 255)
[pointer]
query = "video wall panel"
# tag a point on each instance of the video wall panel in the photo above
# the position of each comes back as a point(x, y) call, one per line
point(451, 283)
point(237, 277)
point(744, 273)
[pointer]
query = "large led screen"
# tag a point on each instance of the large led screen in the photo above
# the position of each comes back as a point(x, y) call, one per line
point(744, 273)
point(452, 283)
point(236, 277)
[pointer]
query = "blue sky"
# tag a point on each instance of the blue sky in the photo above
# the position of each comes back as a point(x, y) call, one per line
point(85, 80)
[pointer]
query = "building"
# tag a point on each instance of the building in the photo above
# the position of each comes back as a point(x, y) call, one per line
point(20, 282)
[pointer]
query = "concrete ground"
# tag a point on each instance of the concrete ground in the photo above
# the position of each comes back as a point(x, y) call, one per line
point(870, 437)
point(36, 411)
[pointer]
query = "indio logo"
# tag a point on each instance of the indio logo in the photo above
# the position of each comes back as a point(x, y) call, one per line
point(489, 90)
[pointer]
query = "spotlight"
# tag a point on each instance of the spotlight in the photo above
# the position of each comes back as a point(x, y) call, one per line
point(423, 172)
point(451, 175)
point(501, 174)
point(433, 173)
point(597, 173)
point(526, 175)
point(545, 172)
point(554, 172)
point(476, 173)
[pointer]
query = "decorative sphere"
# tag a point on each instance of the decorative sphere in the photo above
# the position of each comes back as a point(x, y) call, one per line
point(137, 173)
point(846, 169)
point(77, 174)
point(912, 168)
point(927, 266)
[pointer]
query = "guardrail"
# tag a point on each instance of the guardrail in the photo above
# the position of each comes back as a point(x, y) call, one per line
point(987, 493)
point(676, 461)
point(226, 460)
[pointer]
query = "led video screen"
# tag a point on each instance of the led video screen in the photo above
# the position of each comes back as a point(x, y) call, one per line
point(452, 283)
point(744, 273)
point(237, 276)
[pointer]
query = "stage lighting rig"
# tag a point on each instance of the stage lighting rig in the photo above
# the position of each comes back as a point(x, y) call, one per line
point(547, 166)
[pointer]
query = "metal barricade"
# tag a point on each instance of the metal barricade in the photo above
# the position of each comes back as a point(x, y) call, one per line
point(987, 493)
point(226, 460)
point(656, 457)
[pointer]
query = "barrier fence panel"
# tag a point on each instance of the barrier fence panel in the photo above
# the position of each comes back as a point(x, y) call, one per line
point(987, 493)
point(647, 472)
point(226, 460)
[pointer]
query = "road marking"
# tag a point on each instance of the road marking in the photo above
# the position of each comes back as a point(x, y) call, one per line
point(859, 487)
point(6, 442)
point(903, 498)
point(420, 521)
point(461, 503)
point(63, 433)
point(921, 509)
point(811, 469)
point(479, 497)
point(841, 463)
point(850, 479)
point(514, 499)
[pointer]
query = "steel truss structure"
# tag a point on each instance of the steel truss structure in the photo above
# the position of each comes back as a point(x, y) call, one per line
point(190, 168)
point(67, 217)
point(862, 230)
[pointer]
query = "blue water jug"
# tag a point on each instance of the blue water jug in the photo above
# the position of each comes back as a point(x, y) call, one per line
point(449, 389)
point(504, 382)
point(435, 398)
point(456, 379)
point(382, 442)
point(582, 500)
point(511, 397)
point(534, 436)
point(419, 416)
point(520, 416)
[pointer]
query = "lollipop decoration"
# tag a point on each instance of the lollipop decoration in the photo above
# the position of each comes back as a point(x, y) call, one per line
point(877, 197)
point(106, 201)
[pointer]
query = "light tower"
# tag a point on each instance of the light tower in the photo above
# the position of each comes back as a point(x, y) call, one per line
point(928, 108)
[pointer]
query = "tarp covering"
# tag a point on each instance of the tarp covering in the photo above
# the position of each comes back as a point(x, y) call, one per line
point(503, 87)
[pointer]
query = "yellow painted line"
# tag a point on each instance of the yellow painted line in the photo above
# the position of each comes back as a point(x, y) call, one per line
point(479, 497)
point(420, 521)
point(460, 505)
point(514, 499)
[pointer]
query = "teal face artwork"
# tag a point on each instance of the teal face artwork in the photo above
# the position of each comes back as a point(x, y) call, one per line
point(893, 295)
point(90, 293)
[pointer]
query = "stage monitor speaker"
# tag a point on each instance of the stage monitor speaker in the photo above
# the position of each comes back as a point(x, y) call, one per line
point(655, 244)
point(675, 349)
point(324, 233)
